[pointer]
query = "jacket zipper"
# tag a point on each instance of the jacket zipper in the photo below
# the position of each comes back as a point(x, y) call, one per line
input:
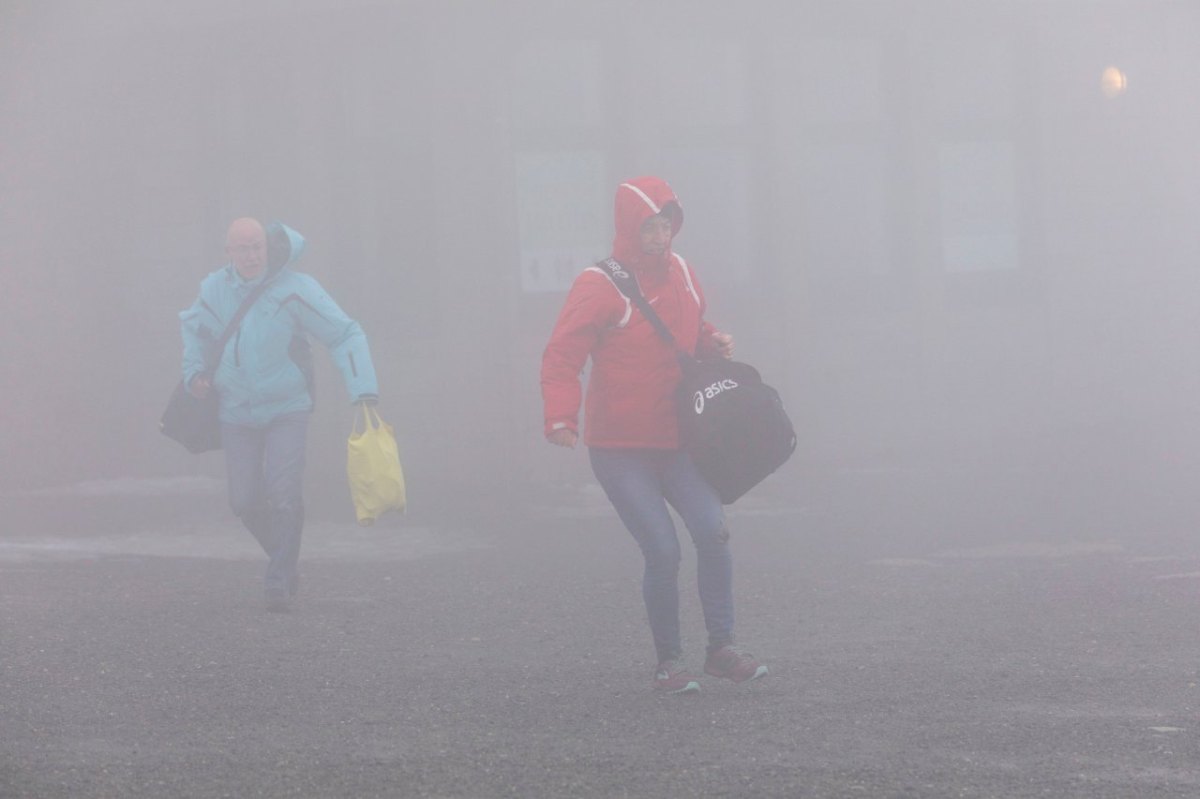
point(237, 341)
point(353, 368)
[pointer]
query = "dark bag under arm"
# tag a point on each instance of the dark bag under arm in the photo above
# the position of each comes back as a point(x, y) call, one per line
point(730, 421)
point(195, 421)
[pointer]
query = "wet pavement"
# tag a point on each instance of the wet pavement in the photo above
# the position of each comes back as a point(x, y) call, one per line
point(510, 658)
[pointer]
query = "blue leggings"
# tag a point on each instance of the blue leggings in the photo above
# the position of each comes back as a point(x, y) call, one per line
point(266, 475)
point(640, 483)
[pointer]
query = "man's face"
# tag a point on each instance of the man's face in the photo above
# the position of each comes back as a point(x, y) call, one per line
point(246, 247)
point(655, 235)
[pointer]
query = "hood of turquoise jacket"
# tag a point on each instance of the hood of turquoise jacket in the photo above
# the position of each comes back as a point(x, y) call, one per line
point(284, 246)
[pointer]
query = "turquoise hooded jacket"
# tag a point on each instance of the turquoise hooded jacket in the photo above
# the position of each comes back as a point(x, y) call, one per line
point(257, 377)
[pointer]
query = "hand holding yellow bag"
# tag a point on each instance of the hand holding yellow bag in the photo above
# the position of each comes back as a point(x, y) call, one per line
point(373, 467)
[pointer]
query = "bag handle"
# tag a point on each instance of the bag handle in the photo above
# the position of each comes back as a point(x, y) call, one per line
point(370, 418)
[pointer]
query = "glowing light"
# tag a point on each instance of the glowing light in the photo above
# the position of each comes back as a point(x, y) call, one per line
point(1113, 82)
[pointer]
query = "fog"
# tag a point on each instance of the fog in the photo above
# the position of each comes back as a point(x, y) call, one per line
point(958, 236)
point(964, 253)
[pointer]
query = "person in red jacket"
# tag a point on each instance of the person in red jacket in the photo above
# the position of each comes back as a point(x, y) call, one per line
point(632, 432)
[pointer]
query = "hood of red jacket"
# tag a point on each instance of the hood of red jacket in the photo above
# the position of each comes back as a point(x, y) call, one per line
point(638, 200)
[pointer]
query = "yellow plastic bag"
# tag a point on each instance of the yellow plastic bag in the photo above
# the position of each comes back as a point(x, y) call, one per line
point(373, 467)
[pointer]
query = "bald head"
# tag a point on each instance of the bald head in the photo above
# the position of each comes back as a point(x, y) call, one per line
point(244, 226)
point(246, 247)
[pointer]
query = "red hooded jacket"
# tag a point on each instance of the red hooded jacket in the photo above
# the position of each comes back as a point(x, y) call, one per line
point(630, 397)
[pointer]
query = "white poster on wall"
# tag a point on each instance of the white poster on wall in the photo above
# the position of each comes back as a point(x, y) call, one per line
point(563, 215)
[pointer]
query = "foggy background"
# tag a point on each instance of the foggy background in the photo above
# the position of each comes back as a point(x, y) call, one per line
point(970, 270)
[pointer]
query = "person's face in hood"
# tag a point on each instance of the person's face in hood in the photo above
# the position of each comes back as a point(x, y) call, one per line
point(654, 236)
point(246, 247)
point(637, 201)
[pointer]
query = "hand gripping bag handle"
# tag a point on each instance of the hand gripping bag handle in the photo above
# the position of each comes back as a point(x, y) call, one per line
point(370, 418)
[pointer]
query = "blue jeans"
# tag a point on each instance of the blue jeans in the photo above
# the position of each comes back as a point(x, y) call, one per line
point(266, 478)
point(640, 483)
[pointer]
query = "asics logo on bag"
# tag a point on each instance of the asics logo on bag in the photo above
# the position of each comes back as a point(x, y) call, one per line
point(712, 391)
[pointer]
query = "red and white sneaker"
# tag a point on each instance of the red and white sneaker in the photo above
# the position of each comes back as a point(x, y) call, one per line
point(671, 677)
point(733, 664)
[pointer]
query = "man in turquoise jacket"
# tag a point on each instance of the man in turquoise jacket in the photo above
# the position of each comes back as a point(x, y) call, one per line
point(263, 378)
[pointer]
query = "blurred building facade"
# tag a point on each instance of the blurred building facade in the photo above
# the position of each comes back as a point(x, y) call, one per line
point(955, 250)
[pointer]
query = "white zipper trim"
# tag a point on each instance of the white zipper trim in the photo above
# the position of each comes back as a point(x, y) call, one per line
point(628, 303)
point(642, 194)
point(687, 277)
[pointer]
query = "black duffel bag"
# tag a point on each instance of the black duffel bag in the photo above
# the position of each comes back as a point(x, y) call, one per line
point(192, 421)
point(733, 424)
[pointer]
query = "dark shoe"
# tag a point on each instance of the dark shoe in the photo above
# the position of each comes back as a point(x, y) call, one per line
point(278, 600)
point(671, 677)
point(733, 664)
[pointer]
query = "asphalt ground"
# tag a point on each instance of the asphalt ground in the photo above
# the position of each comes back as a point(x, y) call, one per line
point(510, 658)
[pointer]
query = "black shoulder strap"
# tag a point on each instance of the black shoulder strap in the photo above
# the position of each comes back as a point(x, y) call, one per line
point(219, 347)
point(279, 252)
point(627, 284)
